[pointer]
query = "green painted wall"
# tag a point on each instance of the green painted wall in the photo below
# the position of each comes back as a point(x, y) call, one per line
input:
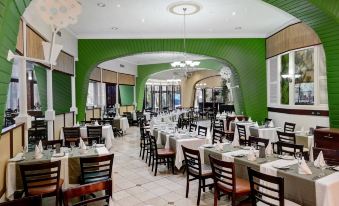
point(40, 73)
point(322, 16)
point(126, 93)
point(144, 71)
point(245, 56)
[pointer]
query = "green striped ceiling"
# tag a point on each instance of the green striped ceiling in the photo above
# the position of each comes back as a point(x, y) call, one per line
point(245, 56)
point(321, 15)
point(144, 71)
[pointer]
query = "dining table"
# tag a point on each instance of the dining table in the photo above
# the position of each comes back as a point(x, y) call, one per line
point(69, 171)
point(314, 189)
point(121, 123)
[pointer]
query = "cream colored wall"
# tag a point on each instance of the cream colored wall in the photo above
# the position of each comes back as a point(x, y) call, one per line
point(188, 86)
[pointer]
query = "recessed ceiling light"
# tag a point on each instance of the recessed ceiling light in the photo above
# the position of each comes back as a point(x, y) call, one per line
point(142, 20)
point(234, 13)
point(114, 28)
point(100, 4)
point(238, 28)
point(118, 5)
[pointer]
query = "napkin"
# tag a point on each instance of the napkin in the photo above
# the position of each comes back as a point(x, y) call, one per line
point(236, 120)
point(17, 157)
point(233, 113)
point(251, 156)
point(303, 168)
point(110, 202)
point(235, 142)
point(271, 124)
point(250, 119)
point(37, 152)
point(96, 123)
point(40, 146)
point(256, 125)
point(219, 146)
point(82, 144)
point(269, 149)
point(77, 124)
point(320, 162)
point(101, 150)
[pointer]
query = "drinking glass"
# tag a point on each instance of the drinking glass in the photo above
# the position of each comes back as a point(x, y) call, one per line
point(72, 144)
point(323, 167)
point(94, 142)
point(24, 149)
point(50, 149)
point(299, 156)
point(253, 145)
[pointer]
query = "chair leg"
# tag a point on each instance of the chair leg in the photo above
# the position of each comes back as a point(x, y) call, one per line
point(153, 164)
point(187, 185)
point(167, 159)
point(233, 200)
point(149, 160)
point(172, 160)
point(143, 153)
point(216, 196)
point(156, 166)
point(140, 150)
point(199, 193)
point(203, 185)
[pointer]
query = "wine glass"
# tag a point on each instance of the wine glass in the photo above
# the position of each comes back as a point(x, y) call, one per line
point(253, 145)
point(72, 144)
point(323, 167)
point(299, 156)
point(94, 142)
point(50, 149)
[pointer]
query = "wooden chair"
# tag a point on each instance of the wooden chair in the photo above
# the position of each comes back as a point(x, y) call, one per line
point(94, 133)
point(272, 195)
point(95, 119)
point(196, 170)
point(225, 181)
point(160, 156)
point(258, 141)
point(95, 169)
point(286, 137)
point(217, 136)
point(83, 190)
point(193, 127)
point(229, 135)
point(42, 179)
point(331, 156)
point(202, 131)
point(26, 201)
point(71, 134)
point(288, 148)
point(217, 124)
point(242, 134)
point(289, 127)
point(51, 142)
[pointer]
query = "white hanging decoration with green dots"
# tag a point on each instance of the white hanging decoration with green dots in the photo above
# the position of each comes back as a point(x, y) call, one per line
point(58, 13)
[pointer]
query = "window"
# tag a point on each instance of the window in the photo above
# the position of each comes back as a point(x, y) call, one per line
point(298, 78)
point(161, 97)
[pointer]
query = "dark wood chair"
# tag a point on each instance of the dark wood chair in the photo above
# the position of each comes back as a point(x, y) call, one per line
point(217, 124)
point(258, 141)
point(42, 179)
point(193, 127)
point(53, 143)
point(261, 193)
point(225, 181)
point(95, 119)
point(331, 156)
point(94, 169)
point(144, 143)
point(217, 136)
point(242, 134)
point(26, 201)
point(286, 137)
point(202, 131)
point(94, 133)
point(229, 135)
point(160, 156)
point(71, 134)
point(196, 170)
point(289, 127)
point(83, 190)
point(288, 148)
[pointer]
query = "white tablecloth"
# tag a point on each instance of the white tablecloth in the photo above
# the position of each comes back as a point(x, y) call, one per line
point(236, 133)
point(123, 123)
point(327, 190)
point(107, 134)
point(147, 115)
point(268, 133)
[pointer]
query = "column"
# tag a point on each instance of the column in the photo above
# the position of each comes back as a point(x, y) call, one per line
point(50, 113)
point(74, 107)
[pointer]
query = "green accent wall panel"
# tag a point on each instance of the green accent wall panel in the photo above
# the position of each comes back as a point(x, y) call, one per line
point(62, 92)
point(40, 73)
point(322, 17)
point(246, 56)
point(126, 93)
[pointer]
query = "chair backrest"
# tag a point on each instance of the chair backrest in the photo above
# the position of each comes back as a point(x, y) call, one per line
point(221, 123)
point(192, 161)
point(26, 201)
point(95, 119)
point(254, 131)
point(266, 189)
point(217, 136)
point(193, 127)
point(40, 175)
point(289, 127)
point(286, 137)
point(71, 134)
point(223, 173)
point(202, 131)
point(96, 168)
point(331, 156)
point(54, 143)
point(258, 141)
point(153, 145)
point(94, 131)
point(288, 148)
point(242, 131)
point(83, 190)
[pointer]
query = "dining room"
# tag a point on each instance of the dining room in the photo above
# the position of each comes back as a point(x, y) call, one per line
point(122, 103)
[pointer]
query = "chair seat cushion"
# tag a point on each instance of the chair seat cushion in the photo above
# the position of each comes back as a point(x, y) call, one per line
point(165, 152)
point(206, 171)
point(45, 189)
point(242, 186)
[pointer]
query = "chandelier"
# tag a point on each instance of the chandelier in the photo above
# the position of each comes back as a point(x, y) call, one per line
point(186, 63)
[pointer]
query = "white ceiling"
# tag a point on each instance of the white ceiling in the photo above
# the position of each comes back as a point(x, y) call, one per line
point(157, 58)
point(172, 74)
point(151, 19)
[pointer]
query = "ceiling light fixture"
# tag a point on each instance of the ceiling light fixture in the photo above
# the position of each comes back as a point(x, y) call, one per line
point(114, 28)
point(234, 13)
point(118, 5)
point(143, 20)
point(238, 28)
point(186, 64)
point(100, 4)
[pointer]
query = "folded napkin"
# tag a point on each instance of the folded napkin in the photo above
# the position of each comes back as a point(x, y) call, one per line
point(269, 149)
point(40, 146)
point(303, 168)
point(235, 142)
point(250, 119)
point(96, 123)
point(320, 162)
point(77, 124)
point(110, 202)
point(256, 125)
point(101, 150)
point(271, 124)
point(251, 155)
point(17, 157)
point(233, 113)
point(82, 144)
point(236, 120)
point(37, 152)
point(219, 146)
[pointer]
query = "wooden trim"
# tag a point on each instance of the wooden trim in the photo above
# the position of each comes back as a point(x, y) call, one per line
point(8, 129)
point(69, 74)
point(283, 29)
point(36, 32)
point(65, 120)
point(293, 50)
point(323, 113)
point(11, 144)
point(23, 134)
